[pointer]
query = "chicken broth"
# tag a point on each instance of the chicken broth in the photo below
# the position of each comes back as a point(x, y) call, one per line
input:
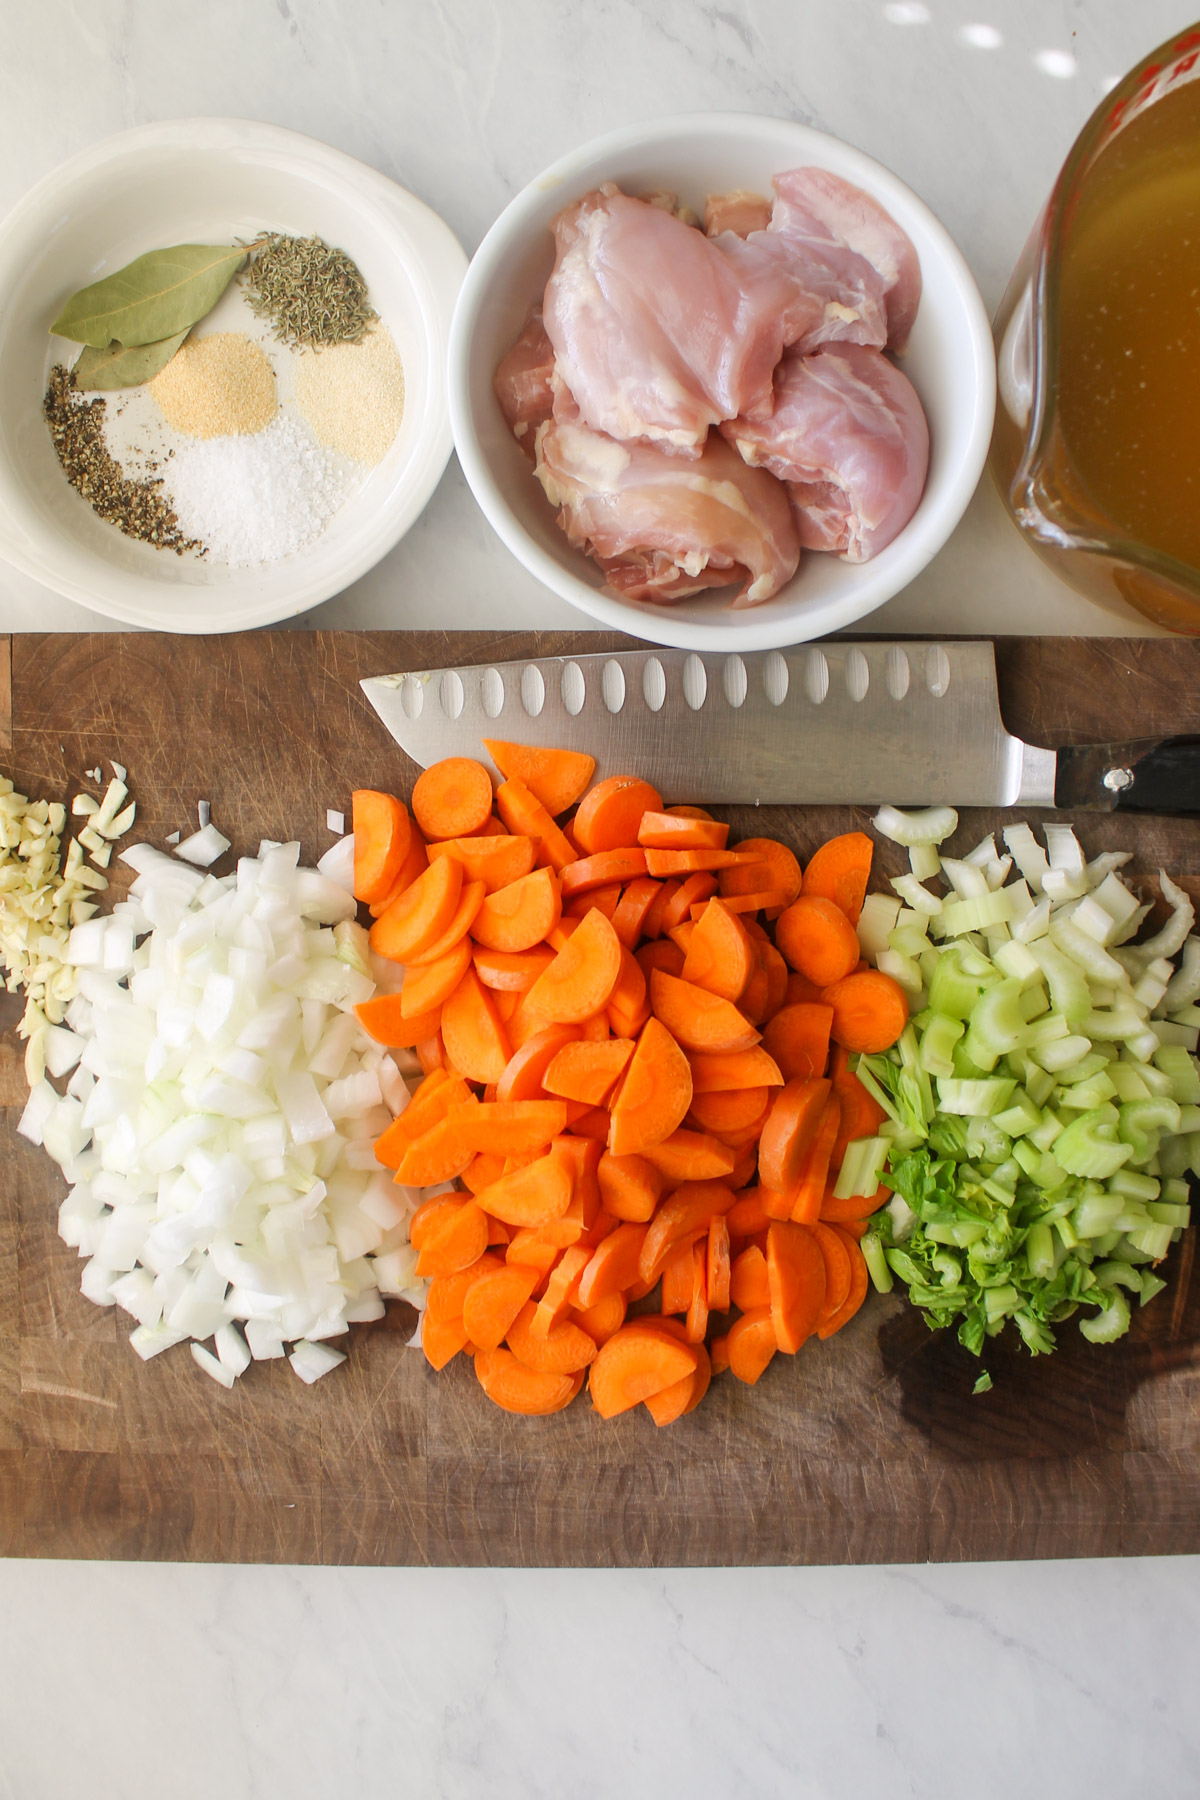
point(1128, 373)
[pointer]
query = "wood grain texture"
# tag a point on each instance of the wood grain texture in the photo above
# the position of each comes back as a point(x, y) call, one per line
point(869, 1448)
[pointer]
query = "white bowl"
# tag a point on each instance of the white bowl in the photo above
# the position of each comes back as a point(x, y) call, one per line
point(949, 360)
point(215, 181)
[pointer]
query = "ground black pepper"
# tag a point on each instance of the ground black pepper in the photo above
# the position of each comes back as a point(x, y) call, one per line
point(138, 508)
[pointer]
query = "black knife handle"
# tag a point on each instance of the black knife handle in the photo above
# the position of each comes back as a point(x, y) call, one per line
point(1156, 775)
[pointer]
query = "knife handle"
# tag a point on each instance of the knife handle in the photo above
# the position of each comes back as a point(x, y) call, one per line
point(1155, 775)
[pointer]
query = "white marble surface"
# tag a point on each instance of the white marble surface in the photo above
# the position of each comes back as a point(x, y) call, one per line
point(1068, 1679)
point(973, 103)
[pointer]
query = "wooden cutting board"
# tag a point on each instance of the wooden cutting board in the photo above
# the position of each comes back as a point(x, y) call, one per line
point(868, 1448)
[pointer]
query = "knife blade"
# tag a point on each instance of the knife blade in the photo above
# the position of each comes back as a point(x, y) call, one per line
point(832, 723)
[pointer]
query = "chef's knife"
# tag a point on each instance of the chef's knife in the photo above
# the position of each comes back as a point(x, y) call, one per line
point(821, 724)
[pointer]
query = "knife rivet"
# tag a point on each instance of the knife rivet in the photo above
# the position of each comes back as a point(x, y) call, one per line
point(1117, 779)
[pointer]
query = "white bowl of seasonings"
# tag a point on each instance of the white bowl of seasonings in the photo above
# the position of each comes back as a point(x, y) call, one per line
point(263, 457)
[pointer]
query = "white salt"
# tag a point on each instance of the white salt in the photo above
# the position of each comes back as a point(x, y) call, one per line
point(253, 499)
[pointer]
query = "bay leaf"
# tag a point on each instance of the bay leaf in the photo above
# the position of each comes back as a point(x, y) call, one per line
point(123, 365)
point(154, 297)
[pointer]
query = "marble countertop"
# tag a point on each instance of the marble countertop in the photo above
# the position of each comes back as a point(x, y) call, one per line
point(1073, 1678)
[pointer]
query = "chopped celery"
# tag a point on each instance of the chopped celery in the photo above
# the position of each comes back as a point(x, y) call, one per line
point(1113, 1322)
point(1180, 1068)
point(1089, 1146)
point(1019, 1117)
point(1066, 981)
point(924, 861)
point(984, 1097)
point(996, 1025)
point(980, 911)
point(940, 1035)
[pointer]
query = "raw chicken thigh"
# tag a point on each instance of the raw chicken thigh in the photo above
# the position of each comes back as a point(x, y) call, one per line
point(660, 526)
point(849, 438)
point(770, 324)
point(522, 382)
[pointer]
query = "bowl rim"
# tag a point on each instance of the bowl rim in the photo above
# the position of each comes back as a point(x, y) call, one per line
point(658, 624)
point(434, 263)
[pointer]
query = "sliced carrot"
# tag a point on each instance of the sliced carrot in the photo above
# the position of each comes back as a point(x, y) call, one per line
point(655, 1096)
point(507, 1127)
point(731, 1111)
point(745, 1165)
point(493, 1302)
point(382, 1017)
point(562, 1349)
point(432, 1101)
point(677, 1279)
point(601, 1320)
point(674, 831)
point(536, 1194)
point(768, 900)
point(630, 1186)
point(809, 1191)
point(687, 1212)
point(719, 956)
point(421, 914)
point(697, 1019)
point(749, 1287)
point(588, 1071)
point(454, 1243)
point(582, 976)
point(475, 1040)
point(689, 812)
point(685, 1396)
point(800, 991)
point(870, 1010)
point(511, 971)
point(582, 1156)
point(447, 1293)
point(429, 1051)
point(652, 924)
point(767, 865)
point(518, 916)
point(789, 1131)
point(858, 1290)
point(484, 1167)
point(430, 1216)
point(535, 1248)
point(594, 1124)
point(442, 1339)
point(496, 861)
point(750, 1344)
point(522, 1077)
point(613, 1266)
point(505, 1003)
point(719, 1071)
point(596, 1030)
point(798, 1038)
point(628, 1005)
point(836, 1256)
point(452, 798)
point(556, 778)
point(382, 834)
point(632, 908)
point(523, 812)
point(606, 867)
point(796, 1274)
point(839, 871)
point(561, 1290)
point(415, 863)
point(688, 862)
point(697, 1312)
point(609, 816)
point(428, 985)
point(852, 1209)
point(717, 1267)
point(520, 1389)
point(817, 939)
point(439, 1154)
point(776, 971)
point(683, 935)
point(748, 1213)
point(603, 899)
point(635, 1364)
point(659, 953)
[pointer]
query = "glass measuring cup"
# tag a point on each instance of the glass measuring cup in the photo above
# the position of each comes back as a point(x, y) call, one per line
point(1079, 501)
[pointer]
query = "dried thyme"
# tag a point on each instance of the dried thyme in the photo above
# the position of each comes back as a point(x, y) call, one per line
point(138, 508)
point(312, 294)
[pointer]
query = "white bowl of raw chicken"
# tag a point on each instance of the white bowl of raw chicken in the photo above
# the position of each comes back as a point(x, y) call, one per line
point(948, 358)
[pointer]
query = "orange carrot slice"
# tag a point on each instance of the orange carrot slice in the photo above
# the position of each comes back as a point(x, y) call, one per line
point(556, 778)
point(731, 1112)
point(684, 1396)
point(809, 1190)
point(534, 1195)
point(718, 957)
point(431, 1101)
point(722, 1070)
point(560, 1350)
point(601, 1320)
point(582, 976)
point(439, 1154)
point(858, 1288)
point(609, 816)
point(613, 1266)
point(561, 1290)
point(511, 971)
point(750, 1344)
point(696, 1322)
point(690, 1156)
point(496, 861)
point(685, 1214)
point(506, 1127)
point(428, 985)
point(677, 831)
point(421, 914)
point(588, 1071)
point(655, 1095)
point(523, 812)
point(518, 916)
point(447, 1293)
point(766, 865)
point(469, 901)
point(632, 908)
point(676, 1278)
point(415, 863)
point(689, 862)
point(817, 939)
point(474, 1038)
point(697, 1019)
point(603, 899)
point(628, 1006)
point(524, 1072)
point(835, 1254)
point(789, 1131)
point(796, 1276)
point(839, 871)
point(635, 1364)
point(519, 1389)
point(452, 798)
point(493, 1302)
point(630, 1186)
point(696, 890)
point(442, 1339)
point(749, 1287)
point(455, 1243)
point(798, 1038)
point(382, 835)
point(870, 1010)
point(598, 871)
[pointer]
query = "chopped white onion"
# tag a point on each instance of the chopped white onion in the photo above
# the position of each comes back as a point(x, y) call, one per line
point(337, 864)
